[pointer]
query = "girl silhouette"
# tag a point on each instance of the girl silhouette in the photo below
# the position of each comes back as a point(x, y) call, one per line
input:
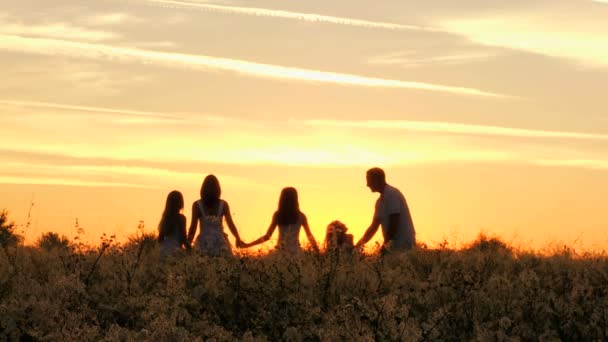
point(172, 226)
point(289, 219)
point(210, 211)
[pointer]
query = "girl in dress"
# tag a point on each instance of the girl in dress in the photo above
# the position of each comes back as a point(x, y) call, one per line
point(289, 219)
point(172, 226)
point(210, 211)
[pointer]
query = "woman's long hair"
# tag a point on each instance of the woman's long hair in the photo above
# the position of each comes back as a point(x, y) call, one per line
point(211, 192)
point(289, 208)
point(171, 215)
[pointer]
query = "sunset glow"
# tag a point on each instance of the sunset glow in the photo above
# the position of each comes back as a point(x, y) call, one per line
point(489, 116)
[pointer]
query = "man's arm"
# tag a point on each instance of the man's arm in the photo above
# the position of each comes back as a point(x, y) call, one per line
point(369, 233)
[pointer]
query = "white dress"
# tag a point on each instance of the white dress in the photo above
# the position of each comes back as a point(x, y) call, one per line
point(289, 237)
point(212, 241)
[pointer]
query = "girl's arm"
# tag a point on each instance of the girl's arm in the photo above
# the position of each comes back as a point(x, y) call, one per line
point(309, 235)
point(195, 216)
point(183, 239)
point(269, 231)
point(231, 225)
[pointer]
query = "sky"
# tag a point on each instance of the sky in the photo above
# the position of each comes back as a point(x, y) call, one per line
point(489, 116)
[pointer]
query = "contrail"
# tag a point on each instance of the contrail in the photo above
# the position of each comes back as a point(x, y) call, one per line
point(457, 128)
point(121, 112)
point(34, 180)
point(56, 47)
point(310, 17)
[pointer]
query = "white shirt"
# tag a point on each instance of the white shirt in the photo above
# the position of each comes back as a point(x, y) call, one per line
point(391, 201)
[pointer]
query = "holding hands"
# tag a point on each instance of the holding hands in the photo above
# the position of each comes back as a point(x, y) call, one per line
point(242, 244)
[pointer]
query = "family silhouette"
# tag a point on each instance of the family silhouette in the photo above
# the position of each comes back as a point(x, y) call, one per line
point(211, 211)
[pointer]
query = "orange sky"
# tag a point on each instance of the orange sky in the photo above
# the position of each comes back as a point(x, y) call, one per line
point(489, 116)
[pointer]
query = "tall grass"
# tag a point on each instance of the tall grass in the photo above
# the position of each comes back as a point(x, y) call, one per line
point(487, 291)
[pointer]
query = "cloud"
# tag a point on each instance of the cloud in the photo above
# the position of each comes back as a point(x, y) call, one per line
point(310, 17)
point(456, 128)
point(112, 19)
point(82, 77)
point(592, 164)
point(47, 114)
point(42, 180)
point(157, 44)
point(56, 30)
point(249, 142)
point(583, 41)
point(31, 167)
point(134, 114)
point(410, 59)
point(55, 47)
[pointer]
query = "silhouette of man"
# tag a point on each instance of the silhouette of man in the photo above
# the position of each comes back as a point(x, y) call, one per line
point(392, 213)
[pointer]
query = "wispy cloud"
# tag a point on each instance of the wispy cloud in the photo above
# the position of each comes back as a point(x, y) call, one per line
point(57, 47)
point(164, 44)
point(410, 59)
point(27, 167)
point(59, 30)
point(457, 128)
point(584, 41)
point(43, 113)
point(310, 17)
point(112, 19)
point(112, 111)
point(85, 76)
point(592, 164)
point(40, 180)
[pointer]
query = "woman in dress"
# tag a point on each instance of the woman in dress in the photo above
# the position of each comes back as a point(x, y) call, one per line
point(209, 212)
point(289, 219)
point(172, 226)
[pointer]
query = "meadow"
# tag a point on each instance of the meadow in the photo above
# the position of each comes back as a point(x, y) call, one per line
point(64, 290)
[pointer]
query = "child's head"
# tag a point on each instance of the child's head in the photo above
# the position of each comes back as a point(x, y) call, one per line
point(289, 208)
point(211, 191)
point(336, 237)
point(173, 207)
point(175, 202)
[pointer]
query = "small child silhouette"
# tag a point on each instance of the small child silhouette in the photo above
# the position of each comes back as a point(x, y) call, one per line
point(336, 237)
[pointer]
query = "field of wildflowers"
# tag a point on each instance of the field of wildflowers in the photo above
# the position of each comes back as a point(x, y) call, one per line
point(69, 291)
